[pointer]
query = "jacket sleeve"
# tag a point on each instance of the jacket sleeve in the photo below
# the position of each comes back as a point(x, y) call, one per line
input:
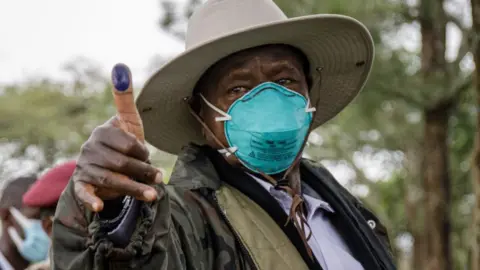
point(169, 234)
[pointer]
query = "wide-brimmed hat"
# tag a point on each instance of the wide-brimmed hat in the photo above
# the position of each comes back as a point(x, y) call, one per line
point(339, 49)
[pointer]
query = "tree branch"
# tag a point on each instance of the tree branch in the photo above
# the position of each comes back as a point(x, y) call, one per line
point(467, 44)
point(395, 94)
point(459, 87)
point(409, 13)
point(458, 22)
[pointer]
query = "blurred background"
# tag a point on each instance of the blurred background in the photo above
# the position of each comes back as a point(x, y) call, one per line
point(408, 145)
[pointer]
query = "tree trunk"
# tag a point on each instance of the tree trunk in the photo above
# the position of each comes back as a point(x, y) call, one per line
point(414, 210)
point(436, 167)
point(475, 251)
point(437, 189)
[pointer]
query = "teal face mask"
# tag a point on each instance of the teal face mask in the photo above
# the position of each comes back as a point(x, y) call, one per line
point(34, 248)
point(266, 128)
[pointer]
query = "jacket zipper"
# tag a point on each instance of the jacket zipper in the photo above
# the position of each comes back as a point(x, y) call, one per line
point(242, 246)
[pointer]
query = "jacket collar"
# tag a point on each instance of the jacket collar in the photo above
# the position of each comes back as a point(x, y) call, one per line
point(194, 170)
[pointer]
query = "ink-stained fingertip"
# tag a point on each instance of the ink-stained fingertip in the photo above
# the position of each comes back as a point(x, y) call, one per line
point(121, 77)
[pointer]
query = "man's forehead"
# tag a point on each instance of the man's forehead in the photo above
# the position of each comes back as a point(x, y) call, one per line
point(270, 53)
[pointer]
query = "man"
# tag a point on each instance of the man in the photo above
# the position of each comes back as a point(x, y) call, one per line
point(11, 196)
point(43, 197)
point(237, 107)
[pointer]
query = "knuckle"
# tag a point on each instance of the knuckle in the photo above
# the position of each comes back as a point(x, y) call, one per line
point(120, 163)
point(130, 143)
point(77, 187)
point(95, 131)
point(146, 152)
point(150, 173)
point(76, 175)
point(138, 189)
point(86, 148)
point(103, 180)
point(100, 131)
point(79, 190)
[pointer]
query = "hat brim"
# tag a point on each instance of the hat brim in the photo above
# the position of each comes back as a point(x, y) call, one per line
point(340, 46)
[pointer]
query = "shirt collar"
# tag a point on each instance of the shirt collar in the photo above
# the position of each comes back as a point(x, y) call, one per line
point(312, 203)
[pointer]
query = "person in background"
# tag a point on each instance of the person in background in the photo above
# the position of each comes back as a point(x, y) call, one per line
point(42, 197)
point(11, 196)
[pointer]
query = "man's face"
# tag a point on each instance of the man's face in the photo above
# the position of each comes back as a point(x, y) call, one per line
point(237, 74)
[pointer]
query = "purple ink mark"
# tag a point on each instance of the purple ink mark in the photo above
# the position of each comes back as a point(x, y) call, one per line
point(120, 77)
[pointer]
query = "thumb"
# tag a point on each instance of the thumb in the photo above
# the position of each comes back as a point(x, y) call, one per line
point(125, 101)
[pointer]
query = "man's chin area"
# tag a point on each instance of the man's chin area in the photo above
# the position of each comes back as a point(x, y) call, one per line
point(234, 161)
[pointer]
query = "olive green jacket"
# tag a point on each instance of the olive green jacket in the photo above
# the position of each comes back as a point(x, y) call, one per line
point(200, 223)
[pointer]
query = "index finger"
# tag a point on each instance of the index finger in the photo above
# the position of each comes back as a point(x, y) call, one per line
point(86, 194)
point(125, 101)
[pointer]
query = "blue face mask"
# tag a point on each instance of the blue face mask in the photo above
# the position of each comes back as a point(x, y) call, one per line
point(267, 127)
point(34, 248)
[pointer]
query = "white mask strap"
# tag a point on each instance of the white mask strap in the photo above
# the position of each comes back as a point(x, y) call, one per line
point(316, 82)
point(228, 151)
point(23, 221)
point(308, 108)
point(16, 239)
point(225, 117)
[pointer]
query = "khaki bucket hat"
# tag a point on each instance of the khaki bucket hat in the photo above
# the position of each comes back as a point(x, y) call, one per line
point(339, 49)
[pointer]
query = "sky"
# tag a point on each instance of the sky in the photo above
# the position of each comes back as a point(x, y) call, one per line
point(38, 37)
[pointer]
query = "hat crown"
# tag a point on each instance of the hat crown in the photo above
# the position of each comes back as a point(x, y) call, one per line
point(217, 18)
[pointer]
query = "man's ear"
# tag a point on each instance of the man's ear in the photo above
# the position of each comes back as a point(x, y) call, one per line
point(47, 223)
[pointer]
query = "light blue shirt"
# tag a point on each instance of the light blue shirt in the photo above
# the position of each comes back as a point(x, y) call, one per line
point(327, 245)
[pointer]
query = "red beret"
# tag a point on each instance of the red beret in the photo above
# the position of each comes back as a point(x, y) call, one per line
point(46, 191)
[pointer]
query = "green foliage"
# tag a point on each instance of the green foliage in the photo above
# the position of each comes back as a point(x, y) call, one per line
point(55, 118)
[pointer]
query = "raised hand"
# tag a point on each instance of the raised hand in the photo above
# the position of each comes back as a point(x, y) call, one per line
point(115, 154)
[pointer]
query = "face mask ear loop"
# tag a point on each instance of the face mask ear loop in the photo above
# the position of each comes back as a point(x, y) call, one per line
point(317, 81)
point(230, 150)
point(16, 239)
point(309, 109)
point(23, 221)
point(225, 117)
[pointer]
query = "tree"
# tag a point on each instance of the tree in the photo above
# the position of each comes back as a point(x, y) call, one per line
point(475, 5)
point(43, 120)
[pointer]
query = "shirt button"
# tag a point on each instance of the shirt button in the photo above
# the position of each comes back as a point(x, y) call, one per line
point(372, 224)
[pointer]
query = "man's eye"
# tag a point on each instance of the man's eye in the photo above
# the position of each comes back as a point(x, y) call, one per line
point(284, 81)
point(237, 90)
